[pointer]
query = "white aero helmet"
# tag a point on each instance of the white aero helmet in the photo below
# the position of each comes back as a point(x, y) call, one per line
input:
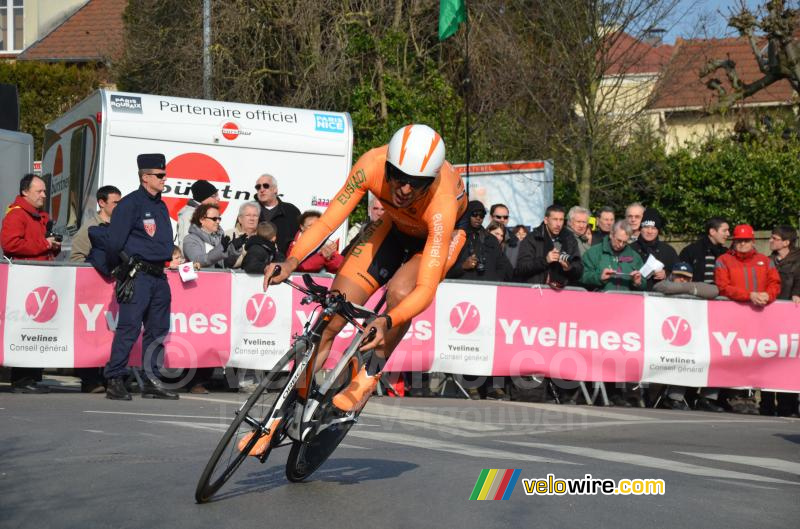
point(416, 150)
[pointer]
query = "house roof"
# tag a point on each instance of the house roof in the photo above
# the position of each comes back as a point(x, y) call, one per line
point(93, 33)
point(681, 87)
point(630, 56)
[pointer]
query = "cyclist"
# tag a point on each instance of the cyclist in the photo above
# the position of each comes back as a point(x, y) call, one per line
point(409, 249)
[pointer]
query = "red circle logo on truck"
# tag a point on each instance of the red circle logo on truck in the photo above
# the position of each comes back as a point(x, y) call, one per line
point(186, 169)
point(230, 130)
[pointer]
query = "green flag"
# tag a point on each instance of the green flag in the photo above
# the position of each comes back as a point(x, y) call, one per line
point(451, 14)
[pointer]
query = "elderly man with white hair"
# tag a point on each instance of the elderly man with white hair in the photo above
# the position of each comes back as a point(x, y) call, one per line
point(578, 225)
point(283, 215)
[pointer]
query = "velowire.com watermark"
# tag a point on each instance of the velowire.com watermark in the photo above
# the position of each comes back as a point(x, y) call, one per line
point(499, 484)
point(590, 486)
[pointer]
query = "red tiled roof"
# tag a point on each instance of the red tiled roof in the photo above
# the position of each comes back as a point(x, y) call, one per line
point(93, 33)
point(628, 56)
point(681, 86)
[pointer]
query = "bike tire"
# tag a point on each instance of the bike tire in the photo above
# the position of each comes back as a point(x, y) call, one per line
point(305, 457)
point(210, 482)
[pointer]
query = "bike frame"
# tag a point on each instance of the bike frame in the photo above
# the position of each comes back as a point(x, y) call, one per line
point(305, 348)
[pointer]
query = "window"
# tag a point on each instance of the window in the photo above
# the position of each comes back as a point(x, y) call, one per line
point(11, 20)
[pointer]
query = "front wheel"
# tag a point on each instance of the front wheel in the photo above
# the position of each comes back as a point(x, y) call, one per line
point(252, 417)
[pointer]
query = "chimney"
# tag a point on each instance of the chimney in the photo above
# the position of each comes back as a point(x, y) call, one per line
point(653, 36)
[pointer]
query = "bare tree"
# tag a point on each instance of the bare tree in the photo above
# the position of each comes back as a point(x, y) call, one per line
point(778, 60)
point(592, 56)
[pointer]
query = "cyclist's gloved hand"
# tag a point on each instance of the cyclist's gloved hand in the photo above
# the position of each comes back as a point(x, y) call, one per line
point(381, 326)
point(285, 269)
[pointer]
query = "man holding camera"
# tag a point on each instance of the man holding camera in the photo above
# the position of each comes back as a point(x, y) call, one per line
point(549, 254)
point(482, 259)
point(25, 226)
point(25, 236)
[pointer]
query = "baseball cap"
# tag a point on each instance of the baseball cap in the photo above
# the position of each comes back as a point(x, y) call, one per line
point(682, 269)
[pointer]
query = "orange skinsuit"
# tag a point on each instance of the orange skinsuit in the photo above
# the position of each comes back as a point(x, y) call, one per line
point(431, 217)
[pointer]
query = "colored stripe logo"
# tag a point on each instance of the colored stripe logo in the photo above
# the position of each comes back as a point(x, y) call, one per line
point(495, 484)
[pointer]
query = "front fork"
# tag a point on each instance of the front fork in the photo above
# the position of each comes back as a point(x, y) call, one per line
point(303, 424)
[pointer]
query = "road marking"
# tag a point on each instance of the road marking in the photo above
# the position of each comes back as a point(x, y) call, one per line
point(195, 425)
point(651, 462)
point(218, 401)
point(769, 463)
point(221, 428)
point(586, 411)
point(451, 447)
point(156, 414)
point(745, 484)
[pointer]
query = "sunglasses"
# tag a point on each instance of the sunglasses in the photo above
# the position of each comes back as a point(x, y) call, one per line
point(160, 176)
point(259, 186)
point(501, 217)
point(402, 179)
point(480, 214)
point(215, 219)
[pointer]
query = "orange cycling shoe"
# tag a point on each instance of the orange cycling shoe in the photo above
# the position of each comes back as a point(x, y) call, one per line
point(355, 396)
point(261, 445)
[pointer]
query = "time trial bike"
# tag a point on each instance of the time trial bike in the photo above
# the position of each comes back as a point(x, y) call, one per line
point(301, 413)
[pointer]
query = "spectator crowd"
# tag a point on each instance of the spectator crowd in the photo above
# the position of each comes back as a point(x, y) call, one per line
point(569, 249)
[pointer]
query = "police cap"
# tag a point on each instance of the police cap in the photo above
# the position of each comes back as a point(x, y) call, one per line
point(151, 161)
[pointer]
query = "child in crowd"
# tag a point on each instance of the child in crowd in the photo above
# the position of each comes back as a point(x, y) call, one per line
point(261, 249)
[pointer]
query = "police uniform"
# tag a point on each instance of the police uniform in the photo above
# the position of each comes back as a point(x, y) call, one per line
point(141, 228)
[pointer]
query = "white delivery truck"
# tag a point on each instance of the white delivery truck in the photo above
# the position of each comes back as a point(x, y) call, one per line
point(16, 160)
point(96, 143)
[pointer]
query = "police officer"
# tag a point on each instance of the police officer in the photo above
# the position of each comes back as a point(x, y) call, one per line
point(140, 227)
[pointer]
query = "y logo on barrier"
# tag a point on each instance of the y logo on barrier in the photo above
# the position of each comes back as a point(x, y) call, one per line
point(464, 317)
point(260, 310)
point(676, 331)
point(41, 304)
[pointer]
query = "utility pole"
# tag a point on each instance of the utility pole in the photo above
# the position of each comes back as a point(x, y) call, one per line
point(207, 50)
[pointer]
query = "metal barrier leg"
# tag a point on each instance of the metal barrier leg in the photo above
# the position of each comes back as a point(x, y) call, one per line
point(585, 393)
point(138, 376)
point(385, 387)
point(448, 377)
point(603, 393)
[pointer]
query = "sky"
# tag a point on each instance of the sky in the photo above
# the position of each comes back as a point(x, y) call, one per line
point(703, 18)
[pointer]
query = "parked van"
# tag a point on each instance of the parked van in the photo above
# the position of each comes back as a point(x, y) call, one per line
point(16, 154)
point(96, 143)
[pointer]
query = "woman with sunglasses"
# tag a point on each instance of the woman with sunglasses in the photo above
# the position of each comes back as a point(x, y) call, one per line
point(205, 242)
point(409, 249)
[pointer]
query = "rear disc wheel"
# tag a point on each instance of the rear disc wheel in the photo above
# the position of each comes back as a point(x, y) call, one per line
point(306, 456)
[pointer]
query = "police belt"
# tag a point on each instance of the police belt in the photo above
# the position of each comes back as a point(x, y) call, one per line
point(151, 268)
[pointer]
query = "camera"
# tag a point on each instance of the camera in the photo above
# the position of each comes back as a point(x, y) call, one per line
point(50, 233)
point(480, 268)
point(567, 258)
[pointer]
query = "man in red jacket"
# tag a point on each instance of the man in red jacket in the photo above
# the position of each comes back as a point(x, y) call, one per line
point(23, 236)
point(25, 224)
point(743, 274)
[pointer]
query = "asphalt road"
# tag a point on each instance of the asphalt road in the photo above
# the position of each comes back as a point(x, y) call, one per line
point(73, 460)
